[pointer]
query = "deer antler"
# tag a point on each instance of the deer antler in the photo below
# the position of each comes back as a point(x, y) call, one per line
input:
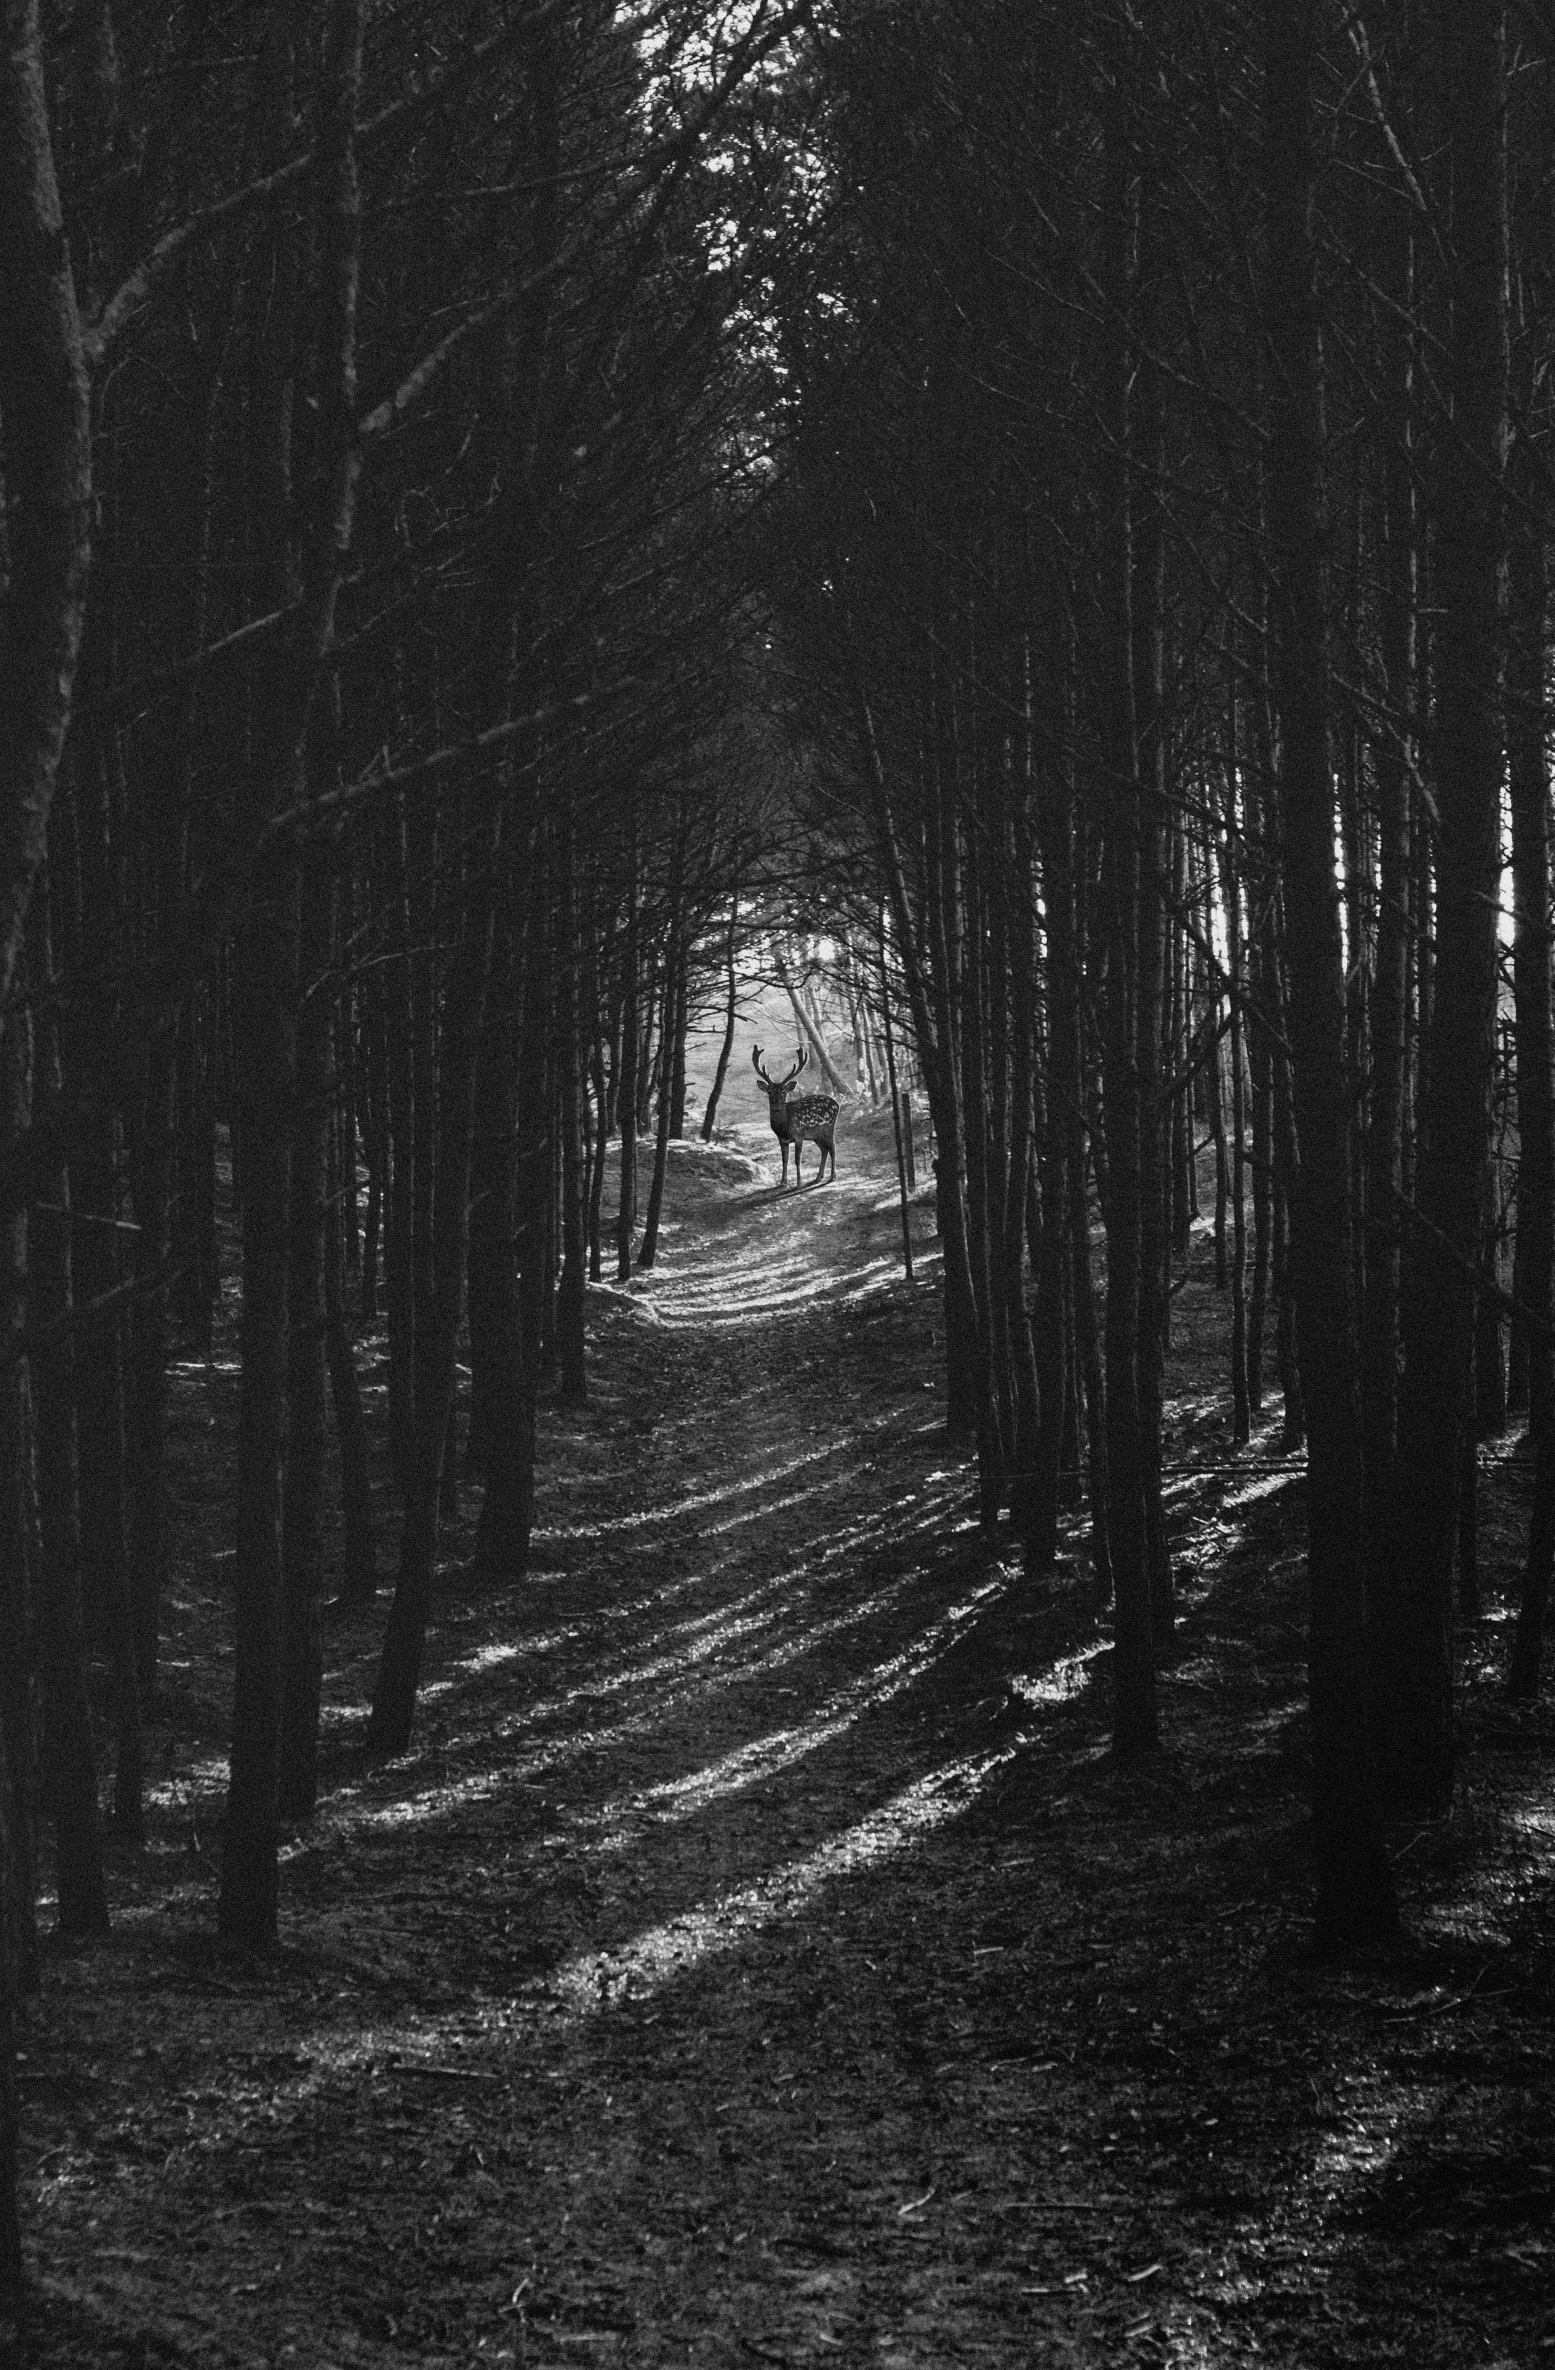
point(776, 1082)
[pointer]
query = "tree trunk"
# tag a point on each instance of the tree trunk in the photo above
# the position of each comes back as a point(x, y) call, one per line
point(264, 1029)
point(573, 1290)
point(1390, 978)
point(1133, 1653)
point(359, 1569)
point(302, 1516)
point(1529, 772)
point(709, 1116)
point(626, 1078)
point(1414, 1693)
point(399, 1668)
point(70, 1759)
point(1355, 1902)
point(400, 1218)
point(18, 1561)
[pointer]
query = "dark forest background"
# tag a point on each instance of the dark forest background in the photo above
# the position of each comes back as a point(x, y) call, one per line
point(516, 519)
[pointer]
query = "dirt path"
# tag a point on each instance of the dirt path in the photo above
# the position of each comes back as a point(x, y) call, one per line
point(742, 1967)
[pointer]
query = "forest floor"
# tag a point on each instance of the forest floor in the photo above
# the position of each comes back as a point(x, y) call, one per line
point(758, 1959)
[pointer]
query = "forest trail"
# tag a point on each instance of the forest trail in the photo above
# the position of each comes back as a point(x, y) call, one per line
point(755, 1958)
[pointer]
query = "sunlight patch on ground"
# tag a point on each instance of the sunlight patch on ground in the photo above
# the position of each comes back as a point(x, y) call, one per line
point(594, 1979)
point(442, 1796)
point(768, 1756)
point(200, 1778)
point(1265, 1486)
point(1061, 1681)
point(766, 1478)
point(733, 1623)
point(1362, 2140)
point(876, 1277)
point(490, 1658)
point(577, 1745)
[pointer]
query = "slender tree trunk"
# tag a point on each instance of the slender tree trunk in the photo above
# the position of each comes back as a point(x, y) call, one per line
point(1529, 771)
point(399, 1668)
point(70, 1760)
point(264, 984)
point(673, 962)
point(1063, 1144)
point(682, 1023)
point(267, 957)
point(1355, 1900)
point(1231, 897)
point(626, 1078)
point(896, 1108)
point(1260, 1062)
point(1414, 1693)
point(400, 1218)
point(1133, 1653)
point(1013, 892)
point(1390, 979)
point(359, 1572)
point(302, 1516)
point(573, 1290)
point(709, 1116)
point(498, 1440)
point(1150, 696)
point(937, 1060)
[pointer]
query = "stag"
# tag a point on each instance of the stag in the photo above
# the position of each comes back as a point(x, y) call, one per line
point(807, 1119)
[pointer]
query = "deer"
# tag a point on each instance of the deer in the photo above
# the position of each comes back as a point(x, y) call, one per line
point(807, 1119)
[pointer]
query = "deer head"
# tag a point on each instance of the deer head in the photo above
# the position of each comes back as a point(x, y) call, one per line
point(776, 1085)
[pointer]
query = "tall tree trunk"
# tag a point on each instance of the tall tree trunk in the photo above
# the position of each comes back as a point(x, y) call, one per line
point(1414, 1632)
point(573, 1290)
point(1063, 1145)
point(937, 1060)
point(1231, 898)
point(673, 969)
point(399, 1264)
point(1150, 696)
point(70, 1760)
point(1529, 771)
point(266, 965)
point(18, 1557)
point(399, 1668)
point(1390, 979)
point(626, 1077)
point(1133, 1653)
point(359, 1570)
point(264, 1022)
point(46, 405)
point(497, 1431)
point(302, 1516)
point(1355, 1900)
point(709, 1116)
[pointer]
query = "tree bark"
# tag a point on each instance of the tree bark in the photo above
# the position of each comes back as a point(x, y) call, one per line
point(1414, 1693)
point(709, 1116)
point(1355, 1902)
point(399, 1668)
point(70, 1758)
point(1133, 1654)
point(302, 1516)
point(1532, 1275)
